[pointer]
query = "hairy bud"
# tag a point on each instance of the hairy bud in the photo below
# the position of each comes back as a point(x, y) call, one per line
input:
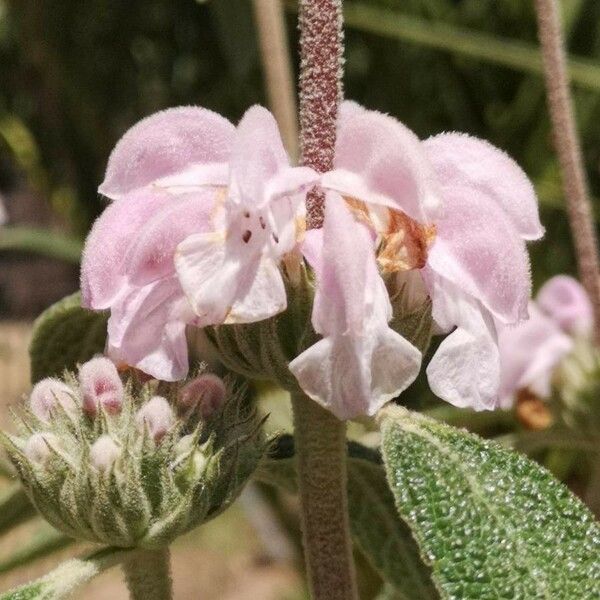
point(38, 447)
point(101, 386)
point(157, 415)
point(47, 395)
point(204, 394)
point(142, 475)
point(103, 453)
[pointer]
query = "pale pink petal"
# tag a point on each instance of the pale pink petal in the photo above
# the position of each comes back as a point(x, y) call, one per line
point(465, 369)
point(258, 156)
point(207, 277)
point(101, 386)
point(165, 144)
point(115, 230)
point(146, 330)
point(478, 248)
point(290, 181)
point(356, 375)
point(460, 160)
point(260, 294)
point(529, 353)
point(565, 300)
point(152, 252)
point(380, 161)
point(194, 177)
point(348, 111)
point(361, 363)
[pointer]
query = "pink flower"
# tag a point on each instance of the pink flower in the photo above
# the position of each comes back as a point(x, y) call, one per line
point(231, 274)
point(456, 209)
point(531, 351)
point(566, 302)
point(179, 175)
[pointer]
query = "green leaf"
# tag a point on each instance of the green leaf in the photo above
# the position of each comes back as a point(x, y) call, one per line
point(376, 528)
point(491, 523)
point(66, 578)
point(64, 335)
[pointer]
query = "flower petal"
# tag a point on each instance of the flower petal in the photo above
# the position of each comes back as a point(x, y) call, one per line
point(361, 363)
point(356, 375)
point(260, 295)
point(146, 330)
point(165, 144)
point(529, 353)
point(151, 255)
point(460, 160)
point(258, 156)
point(102, 267)
point(380, 161)
point(478, 248)
point(208, 279)
point(565, 300)
point(465, 370)
point(226, 282)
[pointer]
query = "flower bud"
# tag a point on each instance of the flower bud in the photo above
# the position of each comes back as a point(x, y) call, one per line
point(47, 394)
point(37, 448)
point(101, 385)
point(157, 415)
point(204, 394)
point(103, 453)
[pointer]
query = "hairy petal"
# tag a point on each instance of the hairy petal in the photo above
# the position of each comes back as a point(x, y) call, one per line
point(380, 161)
point(566, 302)
point(151, 255)
point(465, 370)
point(529, 353)
point(478, 249)
point(146, 329)
point(258, 156)
point(361, 363)
point(116, 229)
point(460, 160)
point(164, 144)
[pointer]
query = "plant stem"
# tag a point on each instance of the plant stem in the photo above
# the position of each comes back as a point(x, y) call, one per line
point(322, 479)
point(321, 62)
point(579, 208)
point(270, 21)
point(148, 575)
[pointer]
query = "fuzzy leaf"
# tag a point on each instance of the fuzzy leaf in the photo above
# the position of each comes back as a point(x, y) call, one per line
point(376, 528)
point(491, 523)
point(64, 335)
point(67, 577)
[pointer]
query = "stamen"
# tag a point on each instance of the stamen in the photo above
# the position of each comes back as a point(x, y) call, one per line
point(247, 235)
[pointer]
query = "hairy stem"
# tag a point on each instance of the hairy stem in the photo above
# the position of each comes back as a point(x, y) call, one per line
point(322, 479)
point(279, 80)
point(579, 208)
point(148, 575)
point(321, 62)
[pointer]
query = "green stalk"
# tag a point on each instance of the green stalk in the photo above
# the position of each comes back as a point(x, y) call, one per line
point(322, 478)
point(148, 575)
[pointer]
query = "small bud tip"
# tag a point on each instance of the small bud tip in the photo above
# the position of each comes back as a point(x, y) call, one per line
point(47, 394)
point(157, 415)
point(101, 385)
point(103, 453)
point(205, 394)
point(37, 448)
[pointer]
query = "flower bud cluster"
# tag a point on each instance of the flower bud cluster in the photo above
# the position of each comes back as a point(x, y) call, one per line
point(134, 464)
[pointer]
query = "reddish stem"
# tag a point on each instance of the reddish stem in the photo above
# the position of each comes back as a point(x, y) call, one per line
point(321, 51)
